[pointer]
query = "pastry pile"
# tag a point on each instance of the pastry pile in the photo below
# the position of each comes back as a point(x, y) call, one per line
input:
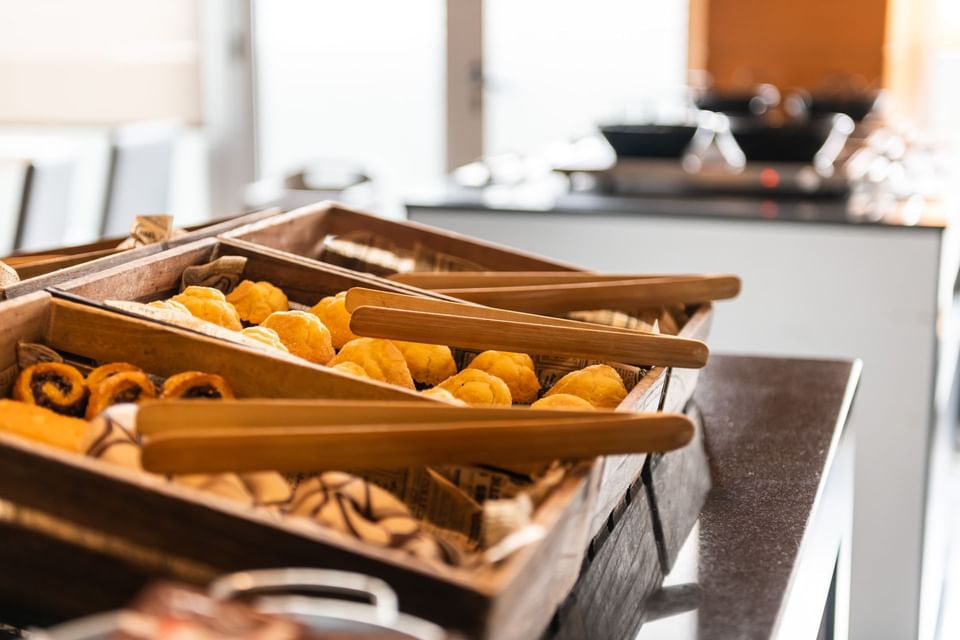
point(51, 400)
point(322, 335)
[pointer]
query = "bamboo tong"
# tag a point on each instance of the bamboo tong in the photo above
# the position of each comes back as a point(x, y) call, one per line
point(380, 314)
point(557, 292)
point(294, 436)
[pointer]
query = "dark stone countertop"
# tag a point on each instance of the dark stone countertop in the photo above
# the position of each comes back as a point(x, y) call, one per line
point(455, 199)
point(774, 433)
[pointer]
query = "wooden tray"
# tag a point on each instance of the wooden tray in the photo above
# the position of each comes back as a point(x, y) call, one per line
point(41, 269)
point(306, 281)
point(303, 233)
point(77, 520)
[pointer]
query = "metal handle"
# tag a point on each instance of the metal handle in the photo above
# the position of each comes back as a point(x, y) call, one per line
point(322, 581)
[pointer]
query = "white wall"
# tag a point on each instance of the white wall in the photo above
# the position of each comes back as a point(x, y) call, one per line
point(554, 68)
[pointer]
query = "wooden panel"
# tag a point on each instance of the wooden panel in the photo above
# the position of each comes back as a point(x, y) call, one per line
point(677, 484)
point(62, 275)
point(46, 581)
point(619, 472)
point(514, 613)
point(621, 571)
point(253, 373)
point(792, 44)
point(302, 232)
point(22, 319)
point(158, 276)
point(682, 382)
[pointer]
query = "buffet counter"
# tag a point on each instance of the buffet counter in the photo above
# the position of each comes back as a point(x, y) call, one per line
point(819, 282)
point(770, 553)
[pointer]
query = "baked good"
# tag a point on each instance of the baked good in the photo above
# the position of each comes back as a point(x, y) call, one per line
point(225, 485)
point(563, 401)
point(211, 305)
point(110, 437)
point(194, 384)
point(478, 388)
point(332, 311)
point(254, 301)
point(262, 489)
point(120, 388)
point(442, 394)
point(168, 611)
point(381, 359)
point(100, 374)
point(169, 305)
point(362, 510)
point(429, 364)
point(53, 385)
point(42, 425)
point(351, 368)
point(303, 334)
point(598, 384)
point(516, 369)
point(266, 337)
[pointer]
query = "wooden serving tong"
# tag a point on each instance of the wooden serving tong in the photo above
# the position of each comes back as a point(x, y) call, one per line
point(294, 436)
point(557, 292)
point(380, 314)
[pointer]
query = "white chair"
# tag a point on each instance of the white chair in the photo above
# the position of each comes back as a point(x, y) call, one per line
point(47, 193)
point(139, 178)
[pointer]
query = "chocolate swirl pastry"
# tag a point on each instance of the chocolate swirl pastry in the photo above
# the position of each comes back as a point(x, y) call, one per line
point(55, 386)
point(120, 388)
point(106, 371)
point(264, 489)
point(195, 385)
point(364, 511)
point(110, 437)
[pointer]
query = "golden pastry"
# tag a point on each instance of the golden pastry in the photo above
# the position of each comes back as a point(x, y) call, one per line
point(351, 368)
point(430, 364)
point(516, 369)
point(255, 301)
point(563, 401)
point(42, 425)
point(598, 384)
point(194, 384)
point(381, 359)
point(100, 374)
point(478, 388)
point(266, 337)
point(55, 386)
point(111, 438)
point(169, 305)
point(211, 305)
point(442, 394)
point(120, 388)
point(332, 311)
point(303, 334)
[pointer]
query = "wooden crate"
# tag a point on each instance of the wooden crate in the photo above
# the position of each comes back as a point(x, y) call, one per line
point(306, 281)
point(303, 233)
point(40, 269)
point(77, 517)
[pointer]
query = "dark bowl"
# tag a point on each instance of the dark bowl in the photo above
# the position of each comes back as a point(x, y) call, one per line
point(855, 106)
point(734, 104)
point(790, 142)
point(649, 140)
